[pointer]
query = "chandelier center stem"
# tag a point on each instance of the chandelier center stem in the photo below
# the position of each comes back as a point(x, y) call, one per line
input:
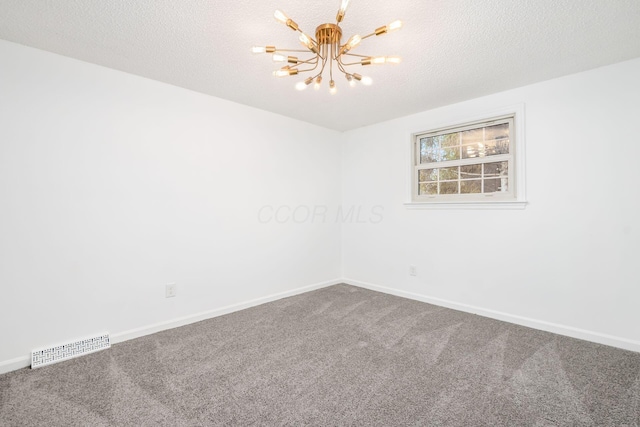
point(328, 34)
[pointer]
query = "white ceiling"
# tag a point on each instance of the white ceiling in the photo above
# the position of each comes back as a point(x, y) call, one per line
point(452, 50)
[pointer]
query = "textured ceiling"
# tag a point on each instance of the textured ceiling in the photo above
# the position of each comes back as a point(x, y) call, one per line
point(452, 50)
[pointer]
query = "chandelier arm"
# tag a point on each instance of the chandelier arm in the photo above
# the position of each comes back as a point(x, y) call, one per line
point(324, 63)
point(341, 68)
point(346, 64)
point(333, 50)
point(355, 54)
point(292, 50)
point(308, 69)
point(361, 38)
point(308, 61)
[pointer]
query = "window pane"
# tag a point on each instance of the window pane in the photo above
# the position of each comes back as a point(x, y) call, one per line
point(437, 149)
point(450, 153)
point(472, 136)
point(493, 147)
point(428, 175)
point(496, 169)
point(487, 141)
point(471, 171)
point(431, 188)
point(497, 132)
point(429, 149)
point(449, 187)
point(448, 173)
point(474, 186)
point(450, 139)
point(493, 185)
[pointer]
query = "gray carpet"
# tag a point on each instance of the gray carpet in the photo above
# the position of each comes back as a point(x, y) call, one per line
point(337, 356)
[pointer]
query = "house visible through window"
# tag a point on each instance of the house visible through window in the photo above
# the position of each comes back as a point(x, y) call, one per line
point(473, 162)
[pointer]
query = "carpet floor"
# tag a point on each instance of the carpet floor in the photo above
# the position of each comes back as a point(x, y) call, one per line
point(338, 356)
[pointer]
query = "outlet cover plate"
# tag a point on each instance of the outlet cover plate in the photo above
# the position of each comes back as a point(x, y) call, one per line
point(170, 290)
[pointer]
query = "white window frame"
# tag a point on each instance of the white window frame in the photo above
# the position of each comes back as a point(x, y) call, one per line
point(515, 198)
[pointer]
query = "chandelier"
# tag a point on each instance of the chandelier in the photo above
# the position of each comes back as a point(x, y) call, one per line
point(327, 50)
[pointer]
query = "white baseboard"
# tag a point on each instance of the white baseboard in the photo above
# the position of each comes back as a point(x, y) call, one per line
point(555, 328)
point(181, 321)
point(15, 364)
point(24, 362)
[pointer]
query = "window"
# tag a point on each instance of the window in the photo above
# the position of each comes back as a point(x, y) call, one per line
point(466, 164)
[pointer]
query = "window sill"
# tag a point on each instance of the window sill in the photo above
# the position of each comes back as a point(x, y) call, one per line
point(498, 205)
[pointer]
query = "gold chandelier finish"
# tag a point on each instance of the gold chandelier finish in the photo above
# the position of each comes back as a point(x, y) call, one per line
point(328, 34)
point(327, 50)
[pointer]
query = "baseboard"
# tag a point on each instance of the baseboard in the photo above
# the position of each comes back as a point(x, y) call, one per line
point(24, 362)
point(181, 321)
point(542, 325)
point(15, 364)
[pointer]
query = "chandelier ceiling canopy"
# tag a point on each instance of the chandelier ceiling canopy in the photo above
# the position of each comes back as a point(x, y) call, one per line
point(326, 50)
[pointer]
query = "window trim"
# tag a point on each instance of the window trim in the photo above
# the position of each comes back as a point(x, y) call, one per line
point(517, 176)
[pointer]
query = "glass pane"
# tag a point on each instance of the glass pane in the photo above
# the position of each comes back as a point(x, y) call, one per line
point(451, 153)
point(496, 132)
point(448, 173)
point(450, 139)
point(469, 151)
point(449, 187)
point(472, 136)
point(474, 186)
point(428, 175)
point(496, 169)
point(494, 185)
point(487, 141)
point(437, 149)
point(471, 171)
point(428, 150)
point(496, 146)
point(430, 188)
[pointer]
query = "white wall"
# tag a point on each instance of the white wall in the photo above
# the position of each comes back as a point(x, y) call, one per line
point(112, 185)
point(568, 262)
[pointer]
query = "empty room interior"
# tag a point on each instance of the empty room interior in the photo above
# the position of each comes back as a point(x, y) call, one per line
point(320, 213)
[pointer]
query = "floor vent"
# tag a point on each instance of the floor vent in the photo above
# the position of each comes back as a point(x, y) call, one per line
point(58, 353)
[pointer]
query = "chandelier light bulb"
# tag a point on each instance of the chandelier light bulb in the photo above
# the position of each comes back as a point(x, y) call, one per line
point(286, 71)
point(307, 42)
point(354, 41)
point(280, 16)
point(377, 60)
point(332, 87)
point(393, 59)
point(367, 81)
point(395, 25)
point(301, 86)
point(258, 49)
point(342, 11)
point(304, 39)
point(316, 86)
point(278, 57)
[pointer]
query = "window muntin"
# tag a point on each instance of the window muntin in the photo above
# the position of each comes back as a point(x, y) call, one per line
point(472, 162)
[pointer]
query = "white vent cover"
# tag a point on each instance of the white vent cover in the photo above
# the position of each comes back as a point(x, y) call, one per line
point(58, 353)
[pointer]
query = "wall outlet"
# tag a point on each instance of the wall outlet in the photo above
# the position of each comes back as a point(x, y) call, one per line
point(170, 290)
point(413, 271)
